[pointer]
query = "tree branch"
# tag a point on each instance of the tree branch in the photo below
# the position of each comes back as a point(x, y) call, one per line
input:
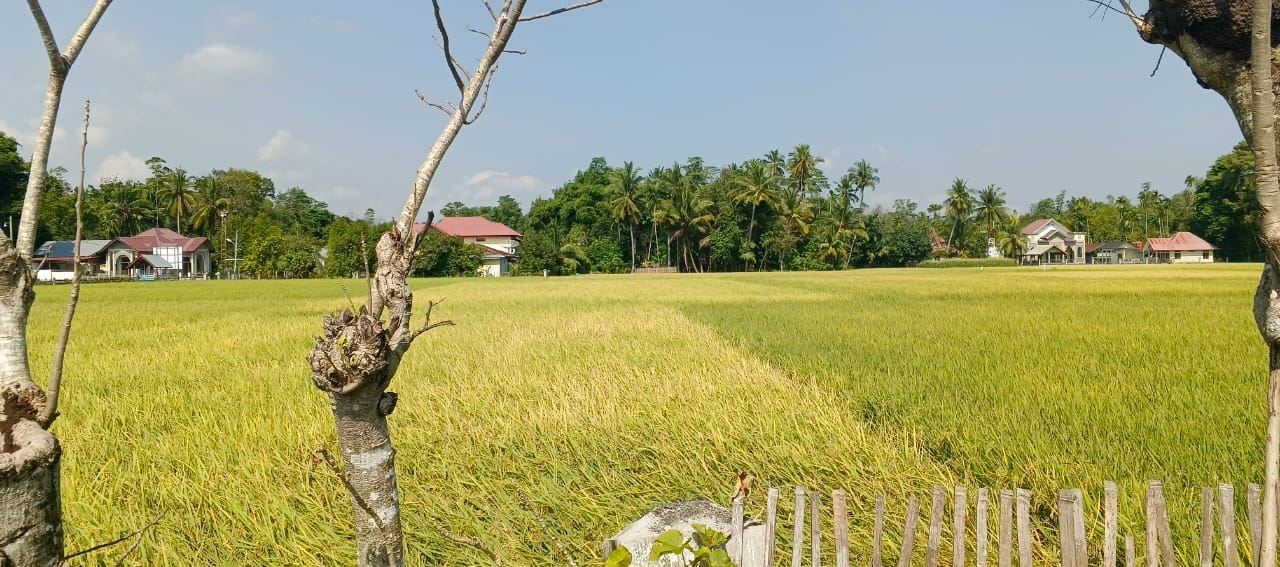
point(427, 325)
point(502, 30)
point(448, 55)
point(77, 41)
point(492, 14)
point(559, 11)
point(46, 33)
point(484, 102)
point(441, 107)
point(50, 411)
point(137, 533)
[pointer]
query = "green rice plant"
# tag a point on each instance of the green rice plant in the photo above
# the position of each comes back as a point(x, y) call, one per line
point(601, 397)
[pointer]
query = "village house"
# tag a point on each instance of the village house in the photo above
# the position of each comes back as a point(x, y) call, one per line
point(1181, 248)
point(159, 253)
point(1113, 252)
point(1049, 242)
point(54, 260)
point(500, 242)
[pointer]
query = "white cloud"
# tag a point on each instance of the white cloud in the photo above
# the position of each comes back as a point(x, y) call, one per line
point(881, 154)
point(122, 165)
point(333, 25)
point(281, 146)
point(223, 60)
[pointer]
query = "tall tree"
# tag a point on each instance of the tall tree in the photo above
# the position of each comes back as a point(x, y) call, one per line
point(31, 526)
point(176, 196)
point(625, 205)
point(758, 185)
point(801, 167)
point(370, 353)
point(959, 206)
point(989, 210)
point(863, 177)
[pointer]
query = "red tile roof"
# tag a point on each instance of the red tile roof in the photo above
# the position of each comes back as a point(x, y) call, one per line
point(1035, 226)
point(1091, 248)
point(1180, 242)
point(470, 227)
point(148, 240)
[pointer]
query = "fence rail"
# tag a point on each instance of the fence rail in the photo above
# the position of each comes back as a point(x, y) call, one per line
point(1013, 521)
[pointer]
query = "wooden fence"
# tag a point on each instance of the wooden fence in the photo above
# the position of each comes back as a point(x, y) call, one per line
point(1012, 516)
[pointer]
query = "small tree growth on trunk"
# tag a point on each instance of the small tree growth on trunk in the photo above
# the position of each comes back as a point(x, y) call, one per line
point(357, 355)
point(1229, 47)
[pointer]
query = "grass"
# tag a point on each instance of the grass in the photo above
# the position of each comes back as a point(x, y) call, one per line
point(603, 396)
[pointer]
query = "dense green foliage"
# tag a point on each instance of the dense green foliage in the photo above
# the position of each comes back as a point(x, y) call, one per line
point(775, 212)
point(613, 395)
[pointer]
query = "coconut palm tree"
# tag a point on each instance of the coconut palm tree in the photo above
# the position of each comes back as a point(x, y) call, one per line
point(689, 216)
point(863, 177)
point(794, 213)
point(757, 185)
point(959, 205)
point(210, 199)
point(854, 231)
point(842, 198)
point(777, 163)
point(989, 211)
point(124, 206)
point(1010, 242)
point(801, 166)
point(624, 183)
point(831, 246)
point(176, 196)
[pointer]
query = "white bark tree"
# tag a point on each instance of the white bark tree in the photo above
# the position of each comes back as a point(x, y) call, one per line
point(30, 457)
point(1229, 47)
point(358, 354)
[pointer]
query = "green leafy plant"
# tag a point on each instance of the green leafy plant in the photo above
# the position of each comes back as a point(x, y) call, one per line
point(620, 557)
point(706, 545)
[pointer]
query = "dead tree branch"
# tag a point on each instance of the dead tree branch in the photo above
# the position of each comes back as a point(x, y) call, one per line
point(50, 411)
point(484, 101)
point(559, 10)
point(448, 55)
point(427, 325)
point(136, 533)
point(432, 104)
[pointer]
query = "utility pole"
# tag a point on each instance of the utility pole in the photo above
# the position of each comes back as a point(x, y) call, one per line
point(222, 256)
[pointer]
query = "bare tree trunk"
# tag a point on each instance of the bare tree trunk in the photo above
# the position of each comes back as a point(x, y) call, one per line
point(356, 357)
point(30, 456)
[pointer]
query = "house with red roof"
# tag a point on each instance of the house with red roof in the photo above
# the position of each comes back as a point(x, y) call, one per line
point(1181, 248)
point(1050, 242)
point(500, 242)
point(159, 253)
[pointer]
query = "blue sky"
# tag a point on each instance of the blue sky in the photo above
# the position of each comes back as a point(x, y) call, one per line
point(1032, 96)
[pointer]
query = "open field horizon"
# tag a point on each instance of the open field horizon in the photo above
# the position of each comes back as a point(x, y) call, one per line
point(603, 396)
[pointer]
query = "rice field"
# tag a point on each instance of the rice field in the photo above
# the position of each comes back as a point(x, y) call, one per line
point(603, 396)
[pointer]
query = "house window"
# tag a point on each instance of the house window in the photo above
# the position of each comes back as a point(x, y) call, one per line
point(1204, 255)
point(480, 239)
point(1177, 255)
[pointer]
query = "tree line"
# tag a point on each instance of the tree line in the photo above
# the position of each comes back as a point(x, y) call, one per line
point(775, 212)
